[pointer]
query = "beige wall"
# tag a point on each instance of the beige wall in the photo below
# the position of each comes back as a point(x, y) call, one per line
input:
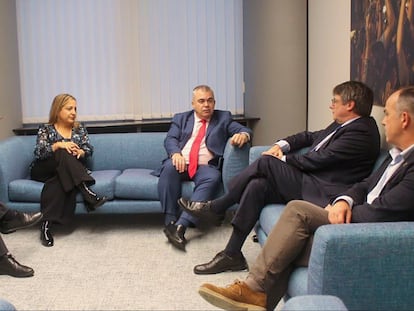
point(329, 58)
point(275, 64)
point(275, 67)
point(10, 108)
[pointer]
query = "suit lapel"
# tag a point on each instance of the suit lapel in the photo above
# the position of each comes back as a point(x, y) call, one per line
point(211, 124)
point(401, 171)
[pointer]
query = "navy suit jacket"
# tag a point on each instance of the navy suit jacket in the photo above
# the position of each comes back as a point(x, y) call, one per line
point(220, 128)
point(396, 200)
point(347, 158)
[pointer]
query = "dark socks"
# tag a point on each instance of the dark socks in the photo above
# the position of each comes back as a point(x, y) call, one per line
point(169, 218)
point(222, 204)
point(184, 222)
point(236, 242)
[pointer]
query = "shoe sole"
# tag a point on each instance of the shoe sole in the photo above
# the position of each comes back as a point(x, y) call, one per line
point(28, 275)
point(226, 303)
point(233, 269)
point(215, 220)
point(8, 231)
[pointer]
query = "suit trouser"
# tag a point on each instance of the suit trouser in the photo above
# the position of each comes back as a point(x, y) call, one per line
point(288, 245)
point(3, 210)
point(61, 174)
point(265, 181)
point(206, 180)
point(3, 247)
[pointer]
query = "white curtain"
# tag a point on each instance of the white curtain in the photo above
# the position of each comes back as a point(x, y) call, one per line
point(129, 59)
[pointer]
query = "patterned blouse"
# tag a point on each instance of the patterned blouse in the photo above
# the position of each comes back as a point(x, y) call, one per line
point(47, 135)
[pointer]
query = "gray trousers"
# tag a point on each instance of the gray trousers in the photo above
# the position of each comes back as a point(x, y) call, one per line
point(287, 246)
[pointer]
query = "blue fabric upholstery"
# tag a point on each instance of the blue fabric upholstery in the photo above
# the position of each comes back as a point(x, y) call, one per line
point(121, 165)
point(375, 260)
point(366, 265)
point(6, 306)
point(314, 303)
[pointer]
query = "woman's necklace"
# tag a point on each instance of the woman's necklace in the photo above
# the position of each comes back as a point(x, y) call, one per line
point(65, 132)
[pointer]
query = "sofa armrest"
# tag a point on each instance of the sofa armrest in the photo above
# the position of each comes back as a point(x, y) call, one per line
point(235, 160)
point(367, 265)
point(255, 152)
point(314, 303)
point(6, 305)
point(16, 154)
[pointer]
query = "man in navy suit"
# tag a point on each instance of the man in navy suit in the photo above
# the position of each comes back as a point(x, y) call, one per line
point(386, 195)
point(338, 156)
point(178, 143)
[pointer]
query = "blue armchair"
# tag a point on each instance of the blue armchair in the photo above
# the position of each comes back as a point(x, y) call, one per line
point(314, 303)
point(368, 266)
point(6, 306)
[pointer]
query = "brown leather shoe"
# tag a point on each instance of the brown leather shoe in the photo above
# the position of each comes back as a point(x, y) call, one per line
point(237, 296)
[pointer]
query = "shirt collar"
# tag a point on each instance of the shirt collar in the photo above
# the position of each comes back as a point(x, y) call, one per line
point(397, 155)
point(349, 121)
point(197, 119)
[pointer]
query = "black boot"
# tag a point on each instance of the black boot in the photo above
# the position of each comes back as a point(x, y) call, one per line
point(92, 200)
point(45, 234)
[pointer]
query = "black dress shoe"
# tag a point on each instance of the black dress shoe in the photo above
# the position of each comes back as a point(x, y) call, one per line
point(175, 235)
point(19, 221)
point(221, 263)
point(10, 266)
point(201, 210)
point(45, 234)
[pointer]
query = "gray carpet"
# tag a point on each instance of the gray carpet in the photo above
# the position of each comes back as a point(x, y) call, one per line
point(115, 262)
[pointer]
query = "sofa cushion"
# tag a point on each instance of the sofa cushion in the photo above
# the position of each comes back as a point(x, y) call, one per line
point(298, 282)
point(105, 183)
point(122, 151)
point(27, 190)
point(139, 184)
point(269, 216)
point(136, 184)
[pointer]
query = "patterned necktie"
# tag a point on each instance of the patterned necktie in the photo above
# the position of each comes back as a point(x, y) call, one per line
point(195, 148)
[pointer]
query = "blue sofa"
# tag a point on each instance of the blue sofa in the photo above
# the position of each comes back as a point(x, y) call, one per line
point(368, 266)
point(314, 303)
point(121, 165)
point(6, 306)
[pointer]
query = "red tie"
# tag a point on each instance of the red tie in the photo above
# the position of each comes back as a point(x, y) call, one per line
point(195, 148)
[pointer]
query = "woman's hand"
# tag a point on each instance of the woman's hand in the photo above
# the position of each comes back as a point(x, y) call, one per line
point(70, 147)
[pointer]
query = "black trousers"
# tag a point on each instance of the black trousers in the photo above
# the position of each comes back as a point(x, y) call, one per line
point(61, 174)
point(3, 247)
point(265, 181)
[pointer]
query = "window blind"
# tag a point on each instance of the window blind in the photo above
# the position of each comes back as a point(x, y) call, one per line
point(128, 59)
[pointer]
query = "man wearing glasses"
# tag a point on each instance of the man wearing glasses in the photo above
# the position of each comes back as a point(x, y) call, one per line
point(337, 157)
